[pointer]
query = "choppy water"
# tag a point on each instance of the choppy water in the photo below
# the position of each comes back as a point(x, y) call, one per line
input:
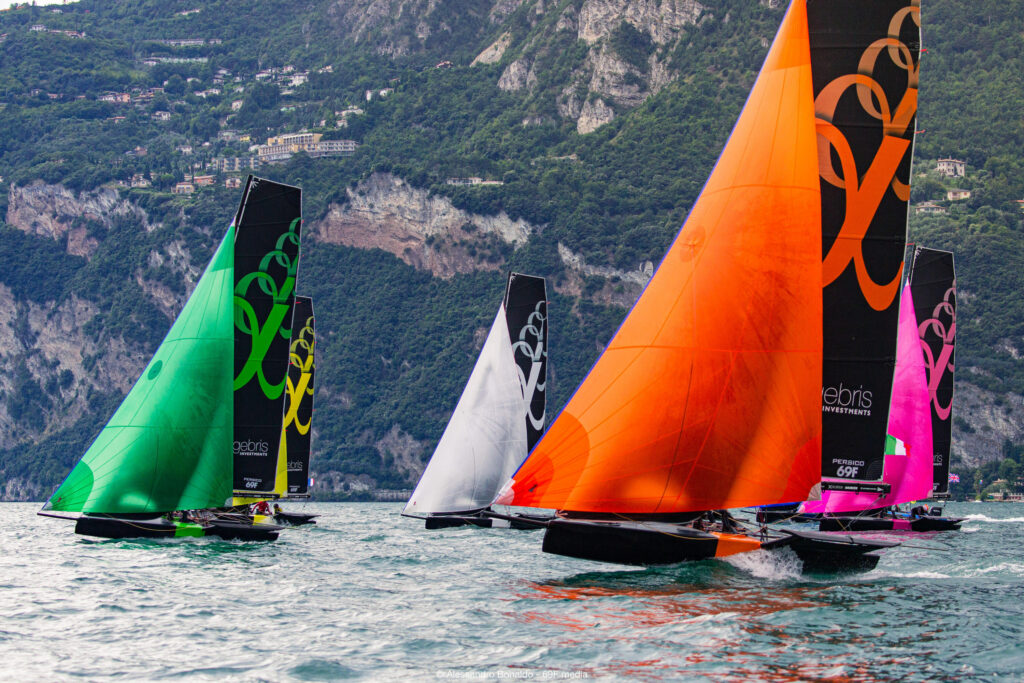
point(367, 594)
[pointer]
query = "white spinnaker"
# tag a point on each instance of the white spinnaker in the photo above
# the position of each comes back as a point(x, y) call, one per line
point(485, 441)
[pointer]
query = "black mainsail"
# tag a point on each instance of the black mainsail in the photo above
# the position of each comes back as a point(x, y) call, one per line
point(864, 64)
point(266, 263)
point(933, 288)
point(298, 411)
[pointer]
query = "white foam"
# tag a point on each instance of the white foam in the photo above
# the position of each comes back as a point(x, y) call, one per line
point(994, 520)
point(775, 565)
point(919, 575)
point(1009, 567)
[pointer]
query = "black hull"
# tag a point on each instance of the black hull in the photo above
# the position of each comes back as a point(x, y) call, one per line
point(628, 542)
point(294, 518)
point(827, 553)
point(106, 527)
point(658, 543)
point(485, 521)
point(920, 524)
point(242, 531)
point(113, 527)
point(774, 516)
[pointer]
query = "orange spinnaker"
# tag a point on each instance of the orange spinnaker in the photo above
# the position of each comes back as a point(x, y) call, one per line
point(709, 395)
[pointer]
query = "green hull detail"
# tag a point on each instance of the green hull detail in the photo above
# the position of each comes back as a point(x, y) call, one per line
point(165, 447)
point(187, 529)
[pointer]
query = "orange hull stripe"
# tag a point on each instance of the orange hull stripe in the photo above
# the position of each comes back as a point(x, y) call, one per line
point(730, 544)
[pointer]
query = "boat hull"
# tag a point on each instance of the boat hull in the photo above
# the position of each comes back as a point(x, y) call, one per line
point(774, 514)
point(924, 523)
point(826, 553)
point(634, 543)
point(519, 522)
point(294, 518)
point(659, 543)
point(113, 527)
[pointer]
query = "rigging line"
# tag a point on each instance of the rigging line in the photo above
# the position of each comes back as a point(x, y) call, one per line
point(926, 547)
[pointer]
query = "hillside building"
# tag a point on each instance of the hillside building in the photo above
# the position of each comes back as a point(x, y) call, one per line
point(929, 208)
point(954, 168)
point(233, 164)
point(282, 147)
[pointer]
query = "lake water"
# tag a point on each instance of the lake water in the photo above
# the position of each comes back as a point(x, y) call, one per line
point(368, 594)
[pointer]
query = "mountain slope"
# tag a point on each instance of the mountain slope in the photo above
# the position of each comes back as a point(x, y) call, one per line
point(600, 118)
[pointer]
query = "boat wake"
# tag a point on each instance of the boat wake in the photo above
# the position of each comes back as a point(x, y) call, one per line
point(1009, 568)
point(994, 520)
point(914, 575)
point(776, 565)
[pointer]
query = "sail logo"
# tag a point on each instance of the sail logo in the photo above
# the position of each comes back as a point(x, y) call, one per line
point(847, 469)
point(252, 448)
point(301, 355)
point(264, 332)
point(865, 188)
point(942, 327)
point(845, 401)
point(294, 466)
point(531, 346)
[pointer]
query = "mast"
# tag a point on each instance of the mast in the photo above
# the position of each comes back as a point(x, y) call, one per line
point(864, 61)
point(167, 446)
point(501, 408)
point(709, 394)
point(933, 288)
point(266, 264)
point(298, 412)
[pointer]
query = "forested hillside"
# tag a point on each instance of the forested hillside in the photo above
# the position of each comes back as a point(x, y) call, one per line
point(566, 139)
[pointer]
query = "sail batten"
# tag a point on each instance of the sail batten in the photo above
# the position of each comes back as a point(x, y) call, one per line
point(677, 404)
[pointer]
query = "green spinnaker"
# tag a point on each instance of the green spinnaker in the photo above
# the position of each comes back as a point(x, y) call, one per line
point(169, 445)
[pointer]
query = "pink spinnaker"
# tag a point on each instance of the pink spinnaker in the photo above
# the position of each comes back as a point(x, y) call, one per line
point(909, 475)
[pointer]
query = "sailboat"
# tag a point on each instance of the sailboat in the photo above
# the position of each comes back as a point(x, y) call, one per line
point(865, 67)
point(909, 453)
point(166, 460)
point(709, 396)
point(499, 417)
point(933, 288)
point(296, 435)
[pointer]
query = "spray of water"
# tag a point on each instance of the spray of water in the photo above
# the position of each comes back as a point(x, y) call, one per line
point(774, 565)
point(994, 520)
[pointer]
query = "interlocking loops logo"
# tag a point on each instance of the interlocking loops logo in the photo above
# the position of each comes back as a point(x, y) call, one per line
point(246, 319)
point(865, 188)
point(531, 345)
point(942, 325)
point(301, 355)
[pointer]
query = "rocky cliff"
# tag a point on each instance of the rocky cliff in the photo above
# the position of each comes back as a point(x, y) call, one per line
point(75, 220)
point(425, 231)
point(626, 61)
point(626, 56)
